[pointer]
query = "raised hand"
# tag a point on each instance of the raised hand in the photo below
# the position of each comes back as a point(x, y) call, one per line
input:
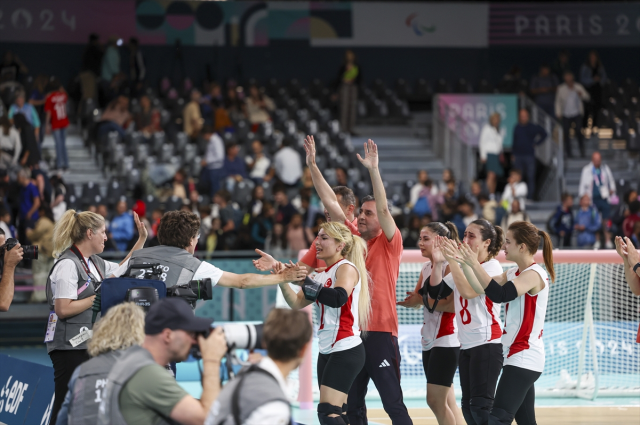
point(449, 249)
point(370, 160)
point(265, 262)
point(142, 229)
point(436, 251)
point(310, 149)
point(621, 247)
point(295, 274)
point(413, 300)
point(468, 255)
point(632, 253)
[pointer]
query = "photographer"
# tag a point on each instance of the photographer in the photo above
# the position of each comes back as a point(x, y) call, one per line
point(259, 394)
point(71, 290)
point(178, 232)
point(121, 328)
point(139, 388)
point(11, 260)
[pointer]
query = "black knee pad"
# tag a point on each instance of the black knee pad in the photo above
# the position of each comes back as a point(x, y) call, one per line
point(499, 417)
point(326, 409)
point(345, 418)
point(480, 408)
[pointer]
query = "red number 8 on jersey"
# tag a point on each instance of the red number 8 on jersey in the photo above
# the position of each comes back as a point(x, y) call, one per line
point(464, 312)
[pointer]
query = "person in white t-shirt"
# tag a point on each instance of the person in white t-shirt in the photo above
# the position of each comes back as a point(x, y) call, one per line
point(258, 164)
point(525, 290)
point(287, 165)
point(440, 344)
point(340, 295)
point(478, 320)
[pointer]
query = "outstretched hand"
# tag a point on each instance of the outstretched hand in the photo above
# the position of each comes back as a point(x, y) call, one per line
point(310, 149)
point(142, 229)
point(632, 252)
point(294, 273)
point(413, 300)
point(437, 255)
point(265, 263)
point(370, 160)
point(621, 247)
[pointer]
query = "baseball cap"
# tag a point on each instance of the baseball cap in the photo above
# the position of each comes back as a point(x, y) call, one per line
point(174, 313)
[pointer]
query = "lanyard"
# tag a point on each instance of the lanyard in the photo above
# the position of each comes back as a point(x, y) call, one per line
point(85, 266)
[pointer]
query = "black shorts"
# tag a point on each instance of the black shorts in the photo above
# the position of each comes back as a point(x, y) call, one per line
point(338, 370)
point(440, 364)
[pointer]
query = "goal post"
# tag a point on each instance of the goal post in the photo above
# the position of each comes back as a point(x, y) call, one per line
point(590, 331)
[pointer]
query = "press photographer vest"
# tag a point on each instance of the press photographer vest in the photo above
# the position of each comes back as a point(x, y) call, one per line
point(178, 265)
point(70, 327)
point(240, 397)
point(132, 360)
point(90, 387)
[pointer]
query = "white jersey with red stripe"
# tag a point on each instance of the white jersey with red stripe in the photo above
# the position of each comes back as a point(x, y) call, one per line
point(524, 323)
point(339, 329)
point(439, 328)
point(478, 319)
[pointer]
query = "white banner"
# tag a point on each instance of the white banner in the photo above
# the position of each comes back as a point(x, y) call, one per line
point(414, 25)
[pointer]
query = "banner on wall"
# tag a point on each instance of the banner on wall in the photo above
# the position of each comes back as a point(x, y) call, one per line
point(565, 24)
point(475, 110)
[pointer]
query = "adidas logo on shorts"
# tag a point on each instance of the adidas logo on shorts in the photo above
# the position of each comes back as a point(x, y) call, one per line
point(384, 363)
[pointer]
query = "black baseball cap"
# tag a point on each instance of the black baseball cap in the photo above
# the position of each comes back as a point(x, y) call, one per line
point(174, 313)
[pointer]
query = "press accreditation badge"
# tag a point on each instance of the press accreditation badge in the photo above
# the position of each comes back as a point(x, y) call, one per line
point(84, 335)
point(51, 327)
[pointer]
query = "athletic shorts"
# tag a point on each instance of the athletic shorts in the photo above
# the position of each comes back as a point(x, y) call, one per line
point(338, 370)
point(440, 364)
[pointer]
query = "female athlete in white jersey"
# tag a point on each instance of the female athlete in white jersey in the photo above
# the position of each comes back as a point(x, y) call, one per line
point(440, 345)
point(478, 320)
point(341, 297)
point(525, 289)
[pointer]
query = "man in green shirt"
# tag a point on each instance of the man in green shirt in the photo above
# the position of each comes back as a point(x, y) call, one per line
point(152, 395)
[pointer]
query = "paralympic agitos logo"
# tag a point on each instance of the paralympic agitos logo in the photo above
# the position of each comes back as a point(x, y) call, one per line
point(420, 29)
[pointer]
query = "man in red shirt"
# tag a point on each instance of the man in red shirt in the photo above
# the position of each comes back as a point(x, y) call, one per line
point(55, 106)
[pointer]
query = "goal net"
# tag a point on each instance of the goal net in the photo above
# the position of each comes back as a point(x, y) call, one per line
point(590, 331)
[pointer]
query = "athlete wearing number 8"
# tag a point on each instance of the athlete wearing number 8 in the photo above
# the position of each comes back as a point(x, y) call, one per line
point(478, 319)
point(525, 289)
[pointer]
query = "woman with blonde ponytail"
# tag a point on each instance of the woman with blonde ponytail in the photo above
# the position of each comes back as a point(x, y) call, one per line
point(341, 297)
point(78, 238)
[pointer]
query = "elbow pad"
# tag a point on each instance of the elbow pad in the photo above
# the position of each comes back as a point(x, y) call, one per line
point(333, 297)
point(501, 294)
point(311, 288)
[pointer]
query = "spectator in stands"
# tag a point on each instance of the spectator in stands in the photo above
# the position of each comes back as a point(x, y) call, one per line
point(257, 201)
point(42, 235)
point(587, 223)
point(30, 154)
point(212, 173)
point(622, 211)
point(234, 167)
point(122, 226)
point(526, 136)
point(284, 208)
point(428, 202)
point(296, 236)
point(472, 196)
point(6, 224)
point(258, 163)
point(228, 216)
point(56, 109)
point(543, 88)
point(467, 211)
point(451, 193)
point(488, 207)
point(411, 233)
point(258, 106)
point(111, 60)
point(447, 177)
point(516, 214)
point(115, 117)
point(10, 144)
point(276, 242)
point(205, 225)
point(137, 68)
point(562, 221)
point(515, 189)
point(629, 223)
point(28, 110)
point(287, 165)
point(597, 182)
point(234, 105)
point(180, 185)
point(147, 118)
point(221, 118)
point(342, 178)
point(12, 67)
point(191, 118)
point(37, 98)
point(414, 192)
point(570, 110)
point(593, 77)
point(561, 64)
point(29, 202)
point(490, 146)
point(347, 82)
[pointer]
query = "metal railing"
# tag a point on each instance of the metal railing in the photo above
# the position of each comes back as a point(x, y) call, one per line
point(450, 141)
point(551, 153)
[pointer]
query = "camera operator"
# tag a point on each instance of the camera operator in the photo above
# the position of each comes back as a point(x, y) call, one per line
point(260, 392)
point(178, 233)
point(121, 328)
point(140, 391)
point(71, 290)
point(11, 260)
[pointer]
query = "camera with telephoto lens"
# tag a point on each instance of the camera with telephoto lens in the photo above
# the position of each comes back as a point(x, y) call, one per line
point(30, 251)
point(243, 336)
point(193, 291)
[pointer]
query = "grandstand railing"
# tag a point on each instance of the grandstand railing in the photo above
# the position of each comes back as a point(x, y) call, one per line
point(450, 142)
point(551, 154)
